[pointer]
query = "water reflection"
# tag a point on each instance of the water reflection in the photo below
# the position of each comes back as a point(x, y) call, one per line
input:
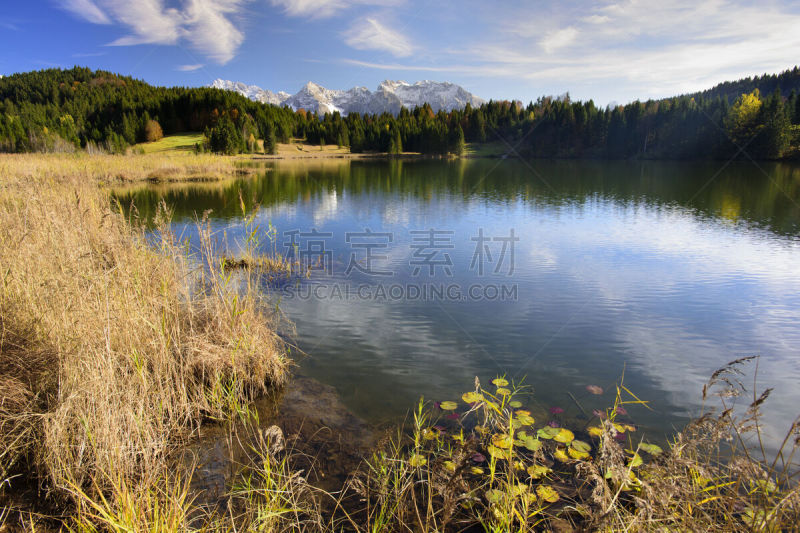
point(663, 270)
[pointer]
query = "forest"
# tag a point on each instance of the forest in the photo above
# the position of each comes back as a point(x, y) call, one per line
point(59, 110)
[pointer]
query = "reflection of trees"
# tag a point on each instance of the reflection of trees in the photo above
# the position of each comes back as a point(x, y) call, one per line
point(740, 192)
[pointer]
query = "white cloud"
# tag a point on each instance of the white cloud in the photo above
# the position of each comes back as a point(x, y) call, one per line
point(559, 39)
point(88, 10)
point(325, 8)
point(190, 68)
point(627, 49)
point(205, 24)
point(369, 33)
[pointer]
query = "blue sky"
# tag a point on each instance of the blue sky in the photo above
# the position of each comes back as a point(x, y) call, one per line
point(613, 51)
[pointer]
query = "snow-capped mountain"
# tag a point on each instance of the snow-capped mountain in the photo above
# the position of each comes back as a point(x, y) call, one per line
point(390, 97)
point(253, 92)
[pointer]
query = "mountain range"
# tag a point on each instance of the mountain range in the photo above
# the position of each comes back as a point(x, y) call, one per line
point(389, 97)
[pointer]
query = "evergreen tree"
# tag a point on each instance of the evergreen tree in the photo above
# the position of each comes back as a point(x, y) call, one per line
point(224, 137)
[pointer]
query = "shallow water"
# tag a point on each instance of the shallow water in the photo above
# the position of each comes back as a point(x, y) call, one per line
point(663, 271)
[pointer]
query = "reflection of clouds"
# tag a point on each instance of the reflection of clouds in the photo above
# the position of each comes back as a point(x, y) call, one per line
point(688, 295)
point(710, 247)
point(681, 363)
point(283, 210)
point(543, 258)
point(601, 283)
point(326, 209)
point(396, 214)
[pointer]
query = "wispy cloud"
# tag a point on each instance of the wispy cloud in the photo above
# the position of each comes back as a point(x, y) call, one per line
point(190, 68)
point(559, 39)
point(205, 24)
point(325, 8)
point(88, 10)
point(369, 33)
point(615, 50)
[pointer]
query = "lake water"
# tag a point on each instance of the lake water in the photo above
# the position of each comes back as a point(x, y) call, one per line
point(427, 274)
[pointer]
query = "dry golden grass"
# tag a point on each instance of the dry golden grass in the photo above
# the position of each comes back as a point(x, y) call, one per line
point(111, 350)
point(92, 169)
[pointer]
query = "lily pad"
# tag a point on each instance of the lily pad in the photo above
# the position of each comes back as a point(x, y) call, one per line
point(548, 432)
point(581, 446)
point(577, 455)
point(532, 444)
point(524, 418)
point(417, 460)
point(502, 441)
point(635, 461)
point(515, 404)
point(472, 397)
point(547, 493)
point(500, 382)
point(538, 471)
point(652, 449)
point(594, 389)
point(565, 436)
point(595, 431)
point(499, 453)
point(504, 391)
point(448, 406)
point(561, 455)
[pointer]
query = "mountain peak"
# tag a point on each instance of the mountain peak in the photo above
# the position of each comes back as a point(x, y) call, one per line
point(389, 97)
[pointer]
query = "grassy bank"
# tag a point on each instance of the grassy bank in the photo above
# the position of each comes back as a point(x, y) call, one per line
point(112, 351)
point(93, 169)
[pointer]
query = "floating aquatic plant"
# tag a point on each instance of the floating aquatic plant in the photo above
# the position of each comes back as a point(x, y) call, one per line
point(472, 397)
point(448, 406)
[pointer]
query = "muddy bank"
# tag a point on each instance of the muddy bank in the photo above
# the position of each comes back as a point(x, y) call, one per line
point(325, 440)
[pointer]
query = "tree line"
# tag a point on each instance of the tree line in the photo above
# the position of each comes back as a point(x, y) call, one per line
point(64, 110)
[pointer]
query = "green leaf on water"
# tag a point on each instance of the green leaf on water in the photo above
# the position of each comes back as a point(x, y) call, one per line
point(472, 397)
point(533, 444)
point(525, 418)
point(547, 493)
point(448, 406)
point(499, 382)
point(499, 453)
point(652, 449)
point(503, 391)
point(538, 471)
point(564, 435)
point(580, 446)
point(502, 441)
point(515, 404)
point(548, 432)
point(635, 461)
point(578, 456)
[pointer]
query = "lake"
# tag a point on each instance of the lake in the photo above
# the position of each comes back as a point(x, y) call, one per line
point(559, 274)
